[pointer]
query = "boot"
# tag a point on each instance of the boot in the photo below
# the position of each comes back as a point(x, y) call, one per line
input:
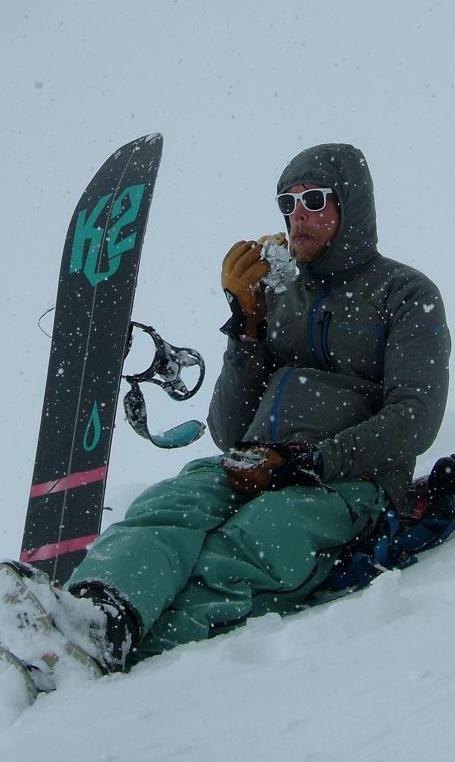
point(91, 624)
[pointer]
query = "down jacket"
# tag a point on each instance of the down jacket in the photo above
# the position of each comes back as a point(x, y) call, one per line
point(355, 358)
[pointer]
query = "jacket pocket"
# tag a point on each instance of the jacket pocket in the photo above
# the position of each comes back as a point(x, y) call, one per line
point(309, 404)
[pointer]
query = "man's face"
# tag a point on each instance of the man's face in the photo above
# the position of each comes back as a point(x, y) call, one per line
point(311, 232)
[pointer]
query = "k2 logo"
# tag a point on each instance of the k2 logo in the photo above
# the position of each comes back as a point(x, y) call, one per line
point(86, 230)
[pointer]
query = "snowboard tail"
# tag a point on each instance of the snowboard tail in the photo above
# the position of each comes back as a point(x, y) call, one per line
point(58, 552)
point(91, 328)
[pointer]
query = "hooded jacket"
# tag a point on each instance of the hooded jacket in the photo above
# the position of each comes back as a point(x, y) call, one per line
point(355, 359)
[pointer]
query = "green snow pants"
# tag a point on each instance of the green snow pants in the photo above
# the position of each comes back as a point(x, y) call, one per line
point(195, 558)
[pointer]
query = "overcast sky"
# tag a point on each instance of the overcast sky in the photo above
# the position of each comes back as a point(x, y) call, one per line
point(237, 89)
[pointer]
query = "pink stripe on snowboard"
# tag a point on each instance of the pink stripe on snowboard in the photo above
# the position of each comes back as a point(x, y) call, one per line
point(47, 552)
point(79, 479)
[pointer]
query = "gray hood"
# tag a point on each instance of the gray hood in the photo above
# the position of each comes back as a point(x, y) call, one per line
point(343, 168)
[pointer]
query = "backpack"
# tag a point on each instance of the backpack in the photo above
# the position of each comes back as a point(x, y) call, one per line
point(427, 521)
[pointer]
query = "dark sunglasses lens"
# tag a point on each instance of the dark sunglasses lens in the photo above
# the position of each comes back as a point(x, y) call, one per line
point(286, 202)
point(314, 200)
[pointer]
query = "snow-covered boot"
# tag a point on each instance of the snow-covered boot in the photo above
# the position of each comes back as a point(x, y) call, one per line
point(121, 628)
point(44, 625)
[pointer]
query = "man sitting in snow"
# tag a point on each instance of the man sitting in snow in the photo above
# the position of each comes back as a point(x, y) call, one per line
point(328, 391)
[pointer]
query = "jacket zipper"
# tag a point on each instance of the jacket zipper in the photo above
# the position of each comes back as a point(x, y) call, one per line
point(319, 347)
point(312, 320)
point(277, 404)
point(324, 343)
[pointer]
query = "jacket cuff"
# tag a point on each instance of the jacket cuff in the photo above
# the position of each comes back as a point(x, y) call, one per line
point(237, 324)
point(330, 466)
point(235, 328)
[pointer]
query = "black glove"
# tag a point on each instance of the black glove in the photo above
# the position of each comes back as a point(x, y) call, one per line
point(303, 465)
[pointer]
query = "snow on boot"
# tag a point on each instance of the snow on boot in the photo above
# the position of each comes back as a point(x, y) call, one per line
point(48, 628)
point(122, 629)
point(15, 671)
point(17, 688)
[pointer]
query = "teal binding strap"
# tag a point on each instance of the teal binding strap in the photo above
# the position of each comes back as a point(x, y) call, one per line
point(167, 364)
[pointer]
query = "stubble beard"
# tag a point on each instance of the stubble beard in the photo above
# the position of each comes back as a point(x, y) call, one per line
point(300, 255)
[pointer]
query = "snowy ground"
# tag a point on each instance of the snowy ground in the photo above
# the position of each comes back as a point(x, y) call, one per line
point(368, 678)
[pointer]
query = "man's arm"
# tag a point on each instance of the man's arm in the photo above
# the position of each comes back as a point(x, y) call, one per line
point(238, 390)
point(246, 361)
point(416, 377)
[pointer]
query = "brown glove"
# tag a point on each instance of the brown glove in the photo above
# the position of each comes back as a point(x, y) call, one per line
point(253, 468)
point(240, 275)
point(250, 470)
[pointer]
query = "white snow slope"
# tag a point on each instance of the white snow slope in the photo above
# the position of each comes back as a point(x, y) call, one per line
point(368, 678)
point(237, 89)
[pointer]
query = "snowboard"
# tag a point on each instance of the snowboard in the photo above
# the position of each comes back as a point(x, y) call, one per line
point(90, 336)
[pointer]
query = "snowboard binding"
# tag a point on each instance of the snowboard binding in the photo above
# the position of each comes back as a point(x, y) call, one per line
point(164, 371)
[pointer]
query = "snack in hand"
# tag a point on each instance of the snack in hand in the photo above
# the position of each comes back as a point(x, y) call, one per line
point(283, 268)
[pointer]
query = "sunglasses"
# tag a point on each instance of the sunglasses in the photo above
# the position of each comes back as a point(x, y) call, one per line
point(314, 200)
